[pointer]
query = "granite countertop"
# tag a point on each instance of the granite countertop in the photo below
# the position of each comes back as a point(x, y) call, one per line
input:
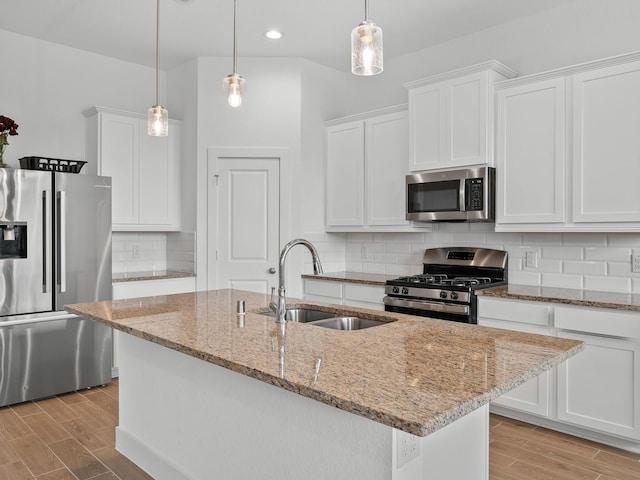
point(150, 275)
point(569, 296)
point(353, 277)
point(415, 374)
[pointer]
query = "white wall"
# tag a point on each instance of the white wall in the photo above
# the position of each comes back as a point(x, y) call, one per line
point(573, 33)
point(45, 87)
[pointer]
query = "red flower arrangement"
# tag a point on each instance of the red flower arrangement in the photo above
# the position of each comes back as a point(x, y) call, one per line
point(8, 126)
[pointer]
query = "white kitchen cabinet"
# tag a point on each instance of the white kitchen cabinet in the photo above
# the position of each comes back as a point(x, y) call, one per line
point(530, 153)
point(146, 288)
point(567, 153)
point(366, 168)
point(365, 172)
point(534, 396)
point(145, 170)
point(344, 293)
point(606, 151)
point(451, 117)
point(600, 387)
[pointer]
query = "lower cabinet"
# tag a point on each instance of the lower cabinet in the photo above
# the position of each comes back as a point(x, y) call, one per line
point(533, 396)
point(344, 293)
point(147, 288)
point(598, 389)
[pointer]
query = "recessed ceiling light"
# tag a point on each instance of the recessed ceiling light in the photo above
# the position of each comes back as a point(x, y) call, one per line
point(273, 34)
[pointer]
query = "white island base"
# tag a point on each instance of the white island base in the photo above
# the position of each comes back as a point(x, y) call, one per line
point(184, 418)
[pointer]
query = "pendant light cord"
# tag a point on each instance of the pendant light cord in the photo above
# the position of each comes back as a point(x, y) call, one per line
point(366, 10)
point(235, 36)
point(158, 53)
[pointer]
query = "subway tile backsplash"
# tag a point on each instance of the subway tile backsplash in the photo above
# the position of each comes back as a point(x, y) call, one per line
point(594, 261)
point(153, 251)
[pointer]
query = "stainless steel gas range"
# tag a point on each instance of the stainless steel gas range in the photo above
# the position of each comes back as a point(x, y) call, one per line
point(446, 289)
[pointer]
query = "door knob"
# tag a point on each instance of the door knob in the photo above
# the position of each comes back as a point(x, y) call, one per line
point(272, 270)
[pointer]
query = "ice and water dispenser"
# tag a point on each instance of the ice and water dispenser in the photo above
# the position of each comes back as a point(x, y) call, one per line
point(13, 240)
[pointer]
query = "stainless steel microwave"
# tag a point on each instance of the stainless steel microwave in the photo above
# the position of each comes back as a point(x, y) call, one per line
point(462, 195)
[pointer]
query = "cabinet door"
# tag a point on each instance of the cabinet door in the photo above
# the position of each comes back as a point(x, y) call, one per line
point(345, 174)
point(159, 179)
point(427, 135)
point(606, 157)
point(386, 152)
point(119, 156)
point(530, 153)
point(467, 121)
point(599, 388)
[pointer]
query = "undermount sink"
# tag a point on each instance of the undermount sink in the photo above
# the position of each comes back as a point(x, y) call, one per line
point(327, 319)
point(348, 323)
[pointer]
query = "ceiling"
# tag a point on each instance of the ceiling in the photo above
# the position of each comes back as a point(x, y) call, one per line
point(317, 30)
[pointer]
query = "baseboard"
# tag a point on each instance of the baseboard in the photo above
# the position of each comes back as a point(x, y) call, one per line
point(147, 459)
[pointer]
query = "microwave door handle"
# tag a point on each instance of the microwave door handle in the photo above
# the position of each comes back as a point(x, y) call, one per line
point(461, 195)
point(46, 241)
point(62, 235)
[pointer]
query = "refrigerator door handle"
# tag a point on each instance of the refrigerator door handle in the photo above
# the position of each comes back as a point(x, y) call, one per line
point(46, 219)
point(62, 235)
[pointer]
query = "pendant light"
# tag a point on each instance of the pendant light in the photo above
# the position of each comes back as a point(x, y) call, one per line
point(234, 85)
point(157, 116)
point(366, 47)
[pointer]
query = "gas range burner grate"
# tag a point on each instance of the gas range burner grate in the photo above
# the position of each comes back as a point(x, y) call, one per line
point(426, 278)
point(467, 281)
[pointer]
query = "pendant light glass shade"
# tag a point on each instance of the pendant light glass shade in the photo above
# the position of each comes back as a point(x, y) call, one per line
point(366, 47)
point(234, 85)
point(158, 121)
point(157, 116)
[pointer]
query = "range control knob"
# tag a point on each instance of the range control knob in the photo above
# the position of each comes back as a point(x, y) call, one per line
point(454, 295)
point(405, 291)
point(443, 294)
point(396, 289)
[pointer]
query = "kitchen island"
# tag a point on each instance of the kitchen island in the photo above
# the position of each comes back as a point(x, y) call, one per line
point(206, 393)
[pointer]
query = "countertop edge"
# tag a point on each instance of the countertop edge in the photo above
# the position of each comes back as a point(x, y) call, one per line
point(367, 411)
point(144, 276)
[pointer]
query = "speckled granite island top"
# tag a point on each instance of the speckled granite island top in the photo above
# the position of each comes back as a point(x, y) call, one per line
point(415, 374)
point(568, 296)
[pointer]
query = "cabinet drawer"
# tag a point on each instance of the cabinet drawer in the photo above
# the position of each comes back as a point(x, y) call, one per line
point(514, 311)
point(598, 320)
point(364, 293)
point(323, 288)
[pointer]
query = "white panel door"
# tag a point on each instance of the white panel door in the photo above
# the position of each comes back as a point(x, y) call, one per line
point(606, 158)
point(247, 216)
point(387, 151)
point(120, 157)
point(530, 151)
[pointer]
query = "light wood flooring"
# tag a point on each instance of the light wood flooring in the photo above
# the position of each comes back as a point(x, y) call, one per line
point(71, 437)
point(520, 451)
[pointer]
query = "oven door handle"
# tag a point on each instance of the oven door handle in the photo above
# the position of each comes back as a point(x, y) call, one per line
point(428, 306)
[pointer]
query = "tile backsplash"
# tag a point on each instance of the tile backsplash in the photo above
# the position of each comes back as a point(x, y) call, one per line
point(593, 261)
point(153, 251)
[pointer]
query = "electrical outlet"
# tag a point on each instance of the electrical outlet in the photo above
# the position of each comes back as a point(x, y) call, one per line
point(408, 448)
point(135, 251)
point(364, 253)
point(635, 263)
point(531, 259)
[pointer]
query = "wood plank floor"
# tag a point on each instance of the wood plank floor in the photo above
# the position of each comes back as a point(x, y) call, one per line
point(68, 437)
point(520, 451)
point(72, 437)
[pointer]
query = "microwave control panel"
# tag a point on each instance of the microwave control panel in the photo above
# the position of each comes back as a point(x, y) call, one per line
point(474, 194)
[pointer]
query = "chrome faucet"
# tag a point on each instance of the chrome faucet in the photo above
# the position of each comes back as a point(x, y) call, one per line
point(280, 308)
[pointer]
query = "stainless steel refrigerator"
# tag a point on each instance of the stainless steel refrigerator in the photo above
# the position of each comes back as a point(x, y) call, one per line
point(55, 249)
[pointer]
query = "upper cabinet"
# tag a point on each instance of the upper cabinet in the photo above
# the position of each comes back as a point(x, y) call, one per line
point(145, 170)
point(567, 149)
point(366, 159)
point(451, 117)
